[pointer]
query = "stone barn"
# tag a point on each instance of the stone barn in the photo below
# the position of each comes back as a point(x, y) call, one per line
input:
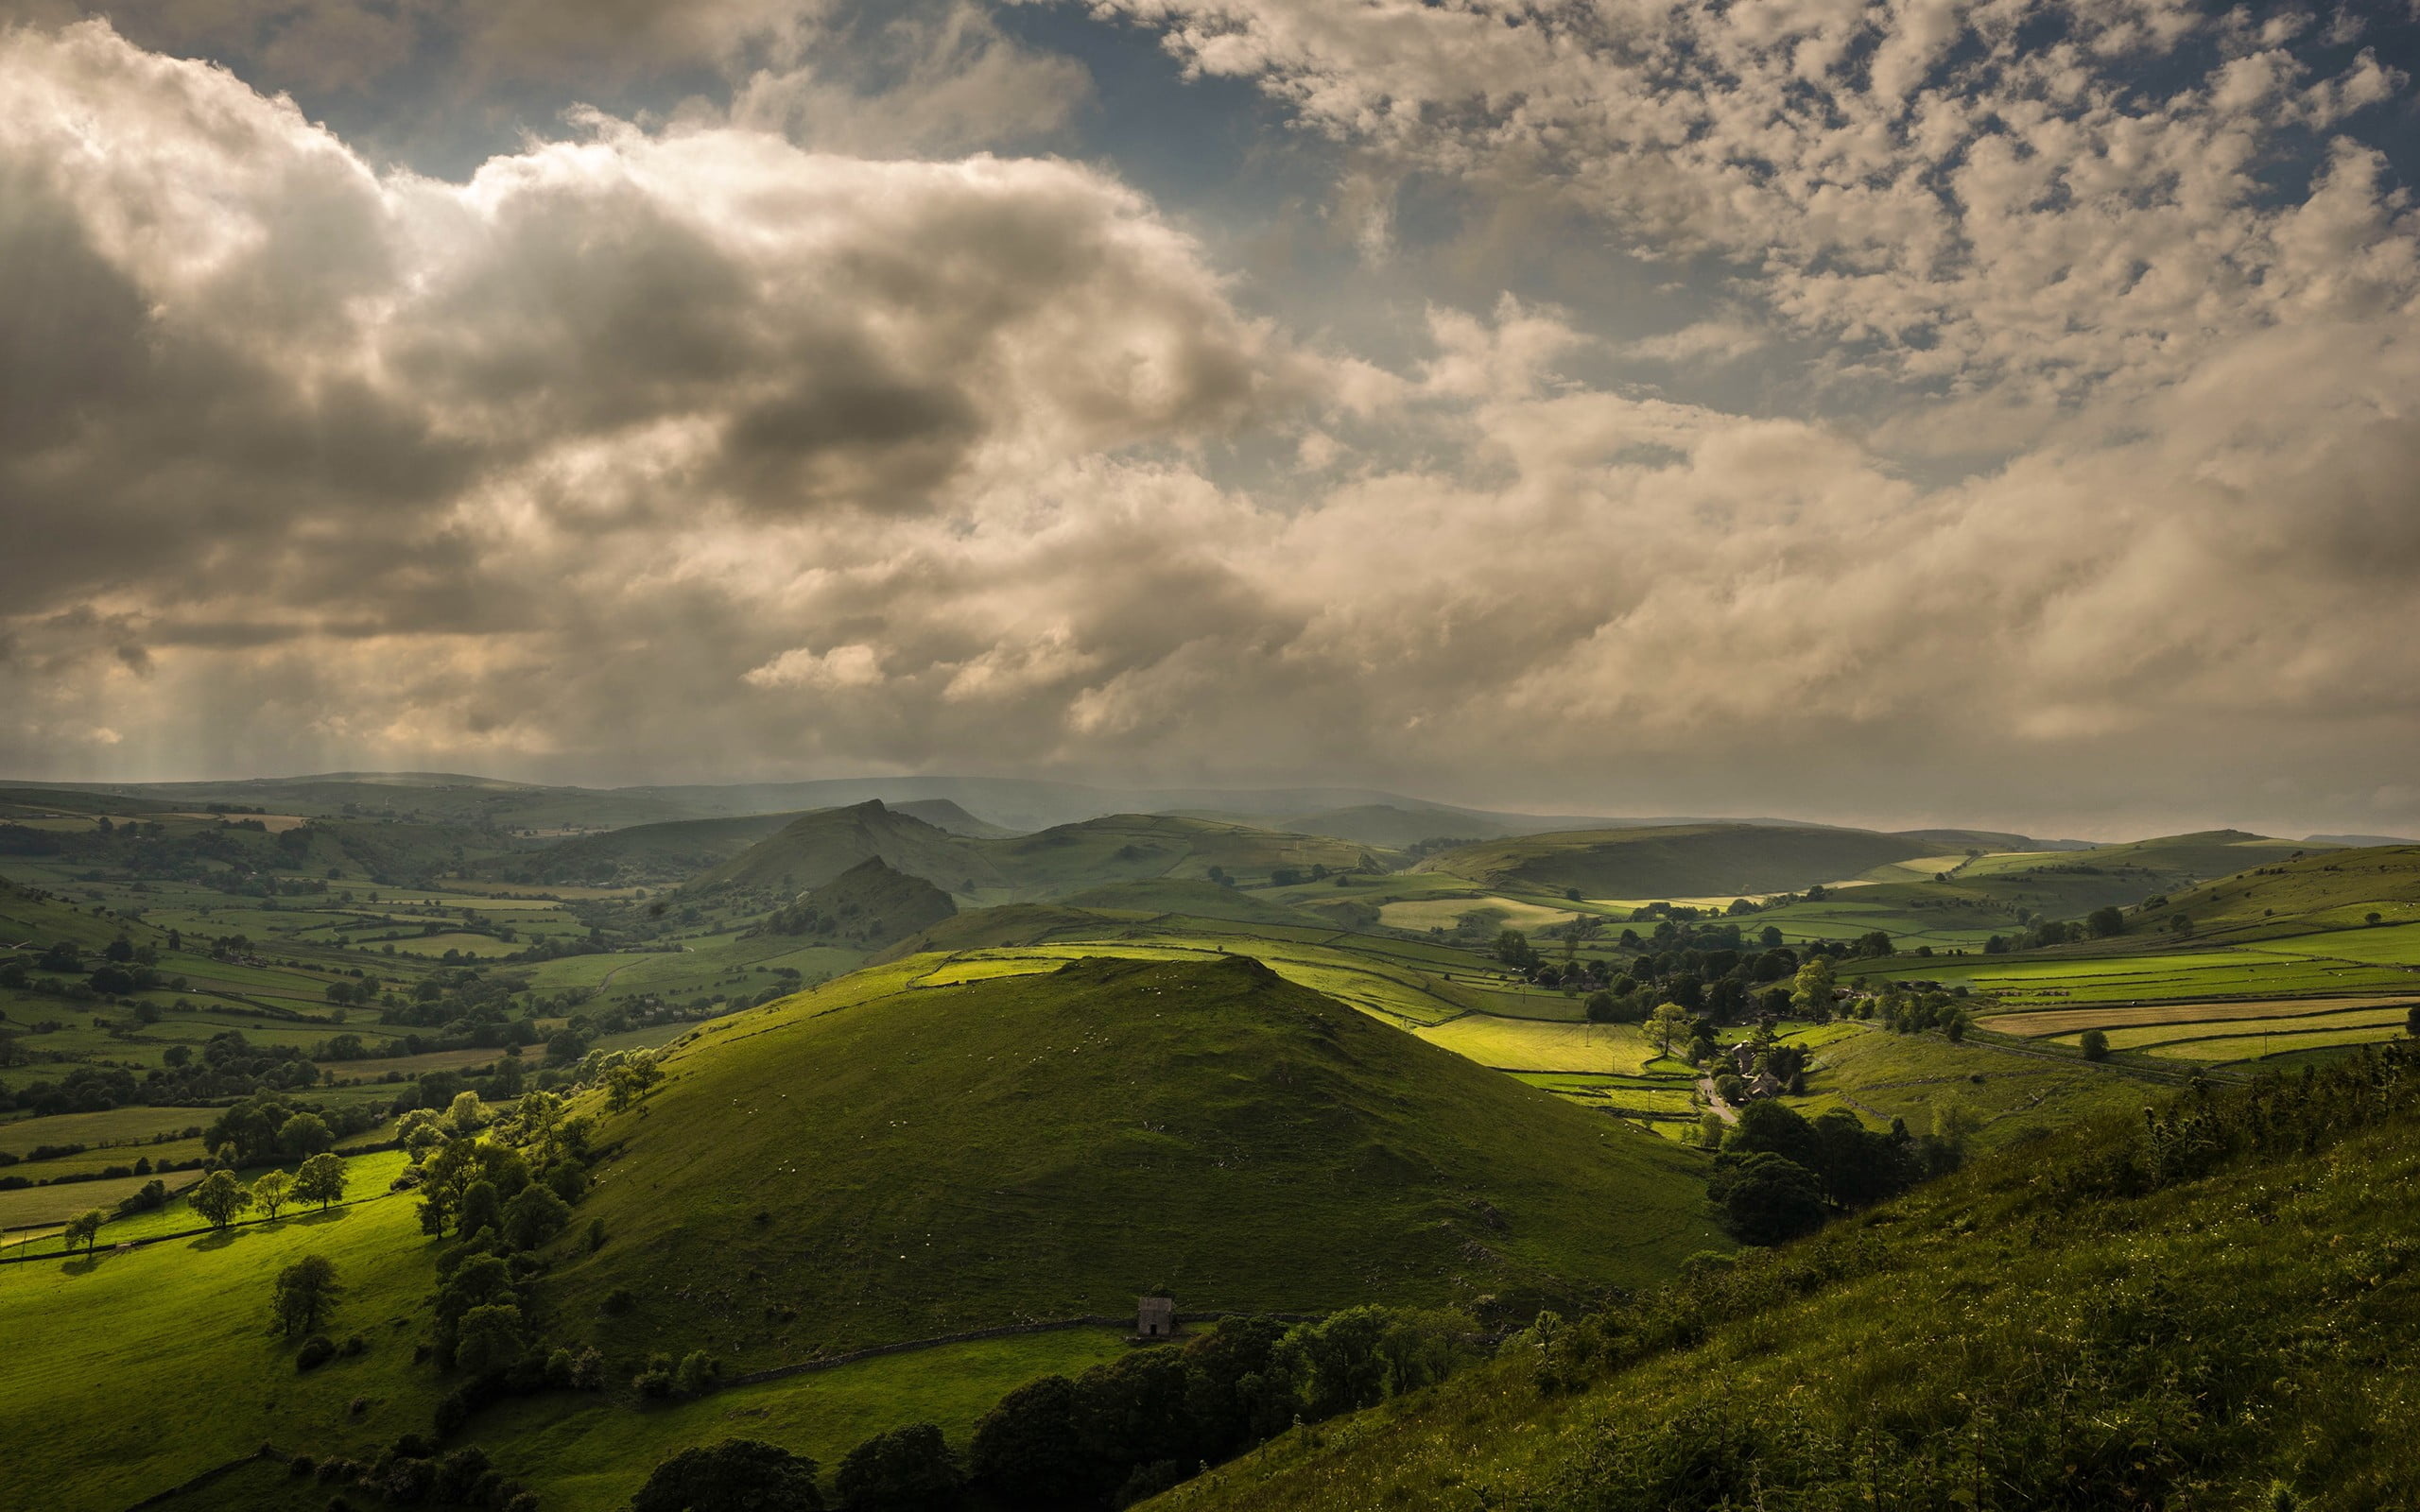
point(1154, 1317)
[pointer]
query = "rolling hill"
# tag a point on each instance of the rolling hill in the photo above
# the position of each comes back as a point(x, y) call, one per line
point(815, 848)
point(1132, 847)
point(874, 1161)
point(868, 906)
point(2200, 1310)
point(669, 851)
point(1676, 861)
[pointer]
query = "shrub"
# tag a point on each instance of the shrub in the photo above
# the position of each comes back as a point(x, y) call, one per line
point(317, 1351)
point(656, 1380)
point(906, 1470)
point(697, 1374)
point(2094, 1045)
point(737, 1473)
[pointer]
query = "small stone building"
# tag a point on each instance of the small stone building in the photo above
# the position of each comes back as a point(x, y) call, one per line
point(1743, 1058)
point(1154, 1317)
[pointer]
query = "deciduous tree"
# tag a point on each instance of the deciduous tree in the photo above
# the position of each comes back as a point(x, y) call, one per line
point(306, 1294)
point(321, 1179)
point(219, 1198)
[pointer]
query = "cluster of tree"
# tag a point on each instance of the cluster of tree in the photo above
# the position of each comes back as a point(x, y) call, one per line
point(1780, 1176)
point(1112, 1436)
point(411, 1472)
point(229, 1066)
point(221, 1198)
point(265, 1128)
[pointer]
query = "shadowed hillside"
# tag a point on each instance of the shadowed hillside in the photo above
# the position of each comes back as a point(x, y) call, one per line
point(868, 905)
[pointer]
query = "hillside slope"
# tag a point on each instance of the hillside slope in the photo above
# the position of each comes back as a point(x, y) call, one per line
point(673, 851)
point(2205, 1312)
point(871, 1162)
point(1676, 861)
point(868, 905)
point(815, 848)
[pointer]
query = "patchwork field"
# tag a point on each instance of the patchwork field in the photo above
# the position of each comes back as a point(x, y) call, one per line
point(2060, 1022)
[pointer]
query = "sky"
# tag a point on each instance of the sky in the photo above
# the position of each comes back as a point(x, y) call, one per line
point(1905, 412)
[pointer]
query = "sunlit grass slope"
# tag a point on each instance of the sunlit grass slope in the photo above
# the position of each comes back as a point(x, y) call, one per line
point(1677, 861)
point(2024, 1334)
point(881, 1162)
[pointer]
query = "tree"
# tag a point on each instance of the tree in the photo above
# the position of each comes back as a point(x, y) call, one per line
point(85, 1229)
point(219, 1198)
point(272, 1192)
point(2096, 1044)
point(1027, 1450)
point(735, 1473)
point(321, 1179)
point(534, 1216)
point(1810, 990)
point(1666, 1024)
point(2411, 1023)
point(906, 1470)
point(1600, 1007)
point(697, 1374)
point(489, 1339)
point(1768, 1198)
point(466, 1114)
point(2105, 922)
point(306, 1294)
point(304, 1134)
point(1513, 948)
point(481, 1209)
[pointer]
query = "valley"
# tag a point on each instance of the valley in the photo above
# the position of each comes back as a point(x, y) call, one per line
point(895, 1075)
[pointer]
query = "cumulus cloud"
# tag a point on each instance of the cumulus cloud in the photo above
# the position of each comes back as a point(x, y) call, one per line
point(681, 449)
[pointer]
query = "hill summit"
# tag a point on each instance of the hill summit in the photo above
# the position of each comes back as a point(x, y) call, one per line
point(885, 1159)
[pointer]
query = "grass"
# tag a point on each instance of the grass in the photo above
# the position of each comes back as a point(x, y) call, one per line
point(942, 1157)
point(2227, 1341)
point(1675, 861)
point(1513, 1044)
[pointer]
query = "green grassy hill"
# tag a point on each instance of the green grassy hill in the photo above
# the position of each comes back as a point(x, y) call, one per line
point(2208, 1310)
point(1133, 847)
point(1194, 900)
point(943, 813)
point(674, 851)
point(815, 848)
point(1676, 861)
point(877, 1160)
point(2330, 889)
point(867, 906)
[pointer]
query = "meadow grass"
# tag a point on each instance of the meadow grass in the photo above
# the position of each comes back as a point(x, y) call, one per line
point(2137, 1037)
point(1515, 1044)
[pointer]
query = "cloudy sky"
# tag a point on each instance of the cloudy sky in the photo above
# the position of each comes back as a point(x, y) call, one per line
point(1906, 412)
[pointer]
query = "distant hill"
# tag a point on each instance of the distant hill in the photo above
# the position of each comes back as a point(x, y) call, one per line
point(855, 1165)
point(1132, 847)
point(2358, 839)
point(1678, 861)
point(670, 851)
point(868, 906)
point(815, 848)
point(943, 814)
point(1990, 840)
point(1195, 900)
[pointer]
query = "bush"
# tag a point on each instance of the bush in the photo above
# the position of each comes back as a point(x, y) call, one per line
point(317, 1351)
point(697, 1374)
point(656, 1379)
point(2095, 1044)
point(737, 1473)
point(301, 1466)
point(906, 1470)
